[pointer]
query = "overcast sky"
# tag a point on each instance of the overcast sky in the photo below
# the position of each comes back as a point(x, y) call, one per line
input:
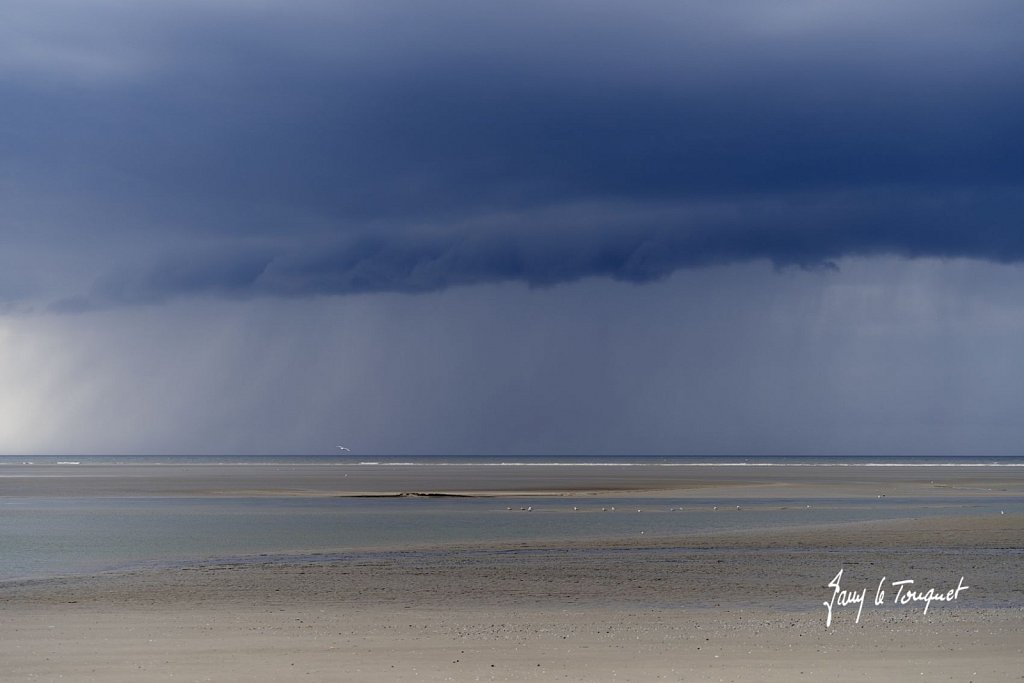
point(566, 227)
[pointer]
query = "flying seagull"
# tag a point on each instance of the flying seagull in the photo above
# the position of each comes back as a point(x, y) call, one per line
point(342, 448)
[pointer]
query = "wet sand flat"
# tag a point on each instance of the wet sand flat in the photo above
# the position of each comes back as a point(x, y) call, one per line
point(327, 480)
point(740, 605)
point(737, 606)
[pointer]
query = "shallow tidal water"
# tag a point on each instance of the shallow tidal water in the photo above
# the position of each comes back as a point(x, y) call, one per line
point(43, 537)
point(63, 515)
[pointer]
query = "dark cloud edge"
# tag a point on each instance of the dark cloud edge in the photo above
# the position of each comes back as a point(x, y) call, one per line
point(540, 251)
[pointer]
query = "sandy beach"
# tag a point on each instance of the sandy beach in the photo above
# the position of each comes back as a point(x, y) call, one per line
point(731, 606)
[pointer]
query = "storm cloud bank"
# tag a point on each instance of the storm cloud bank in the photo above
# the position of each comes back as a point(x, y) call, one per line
point(163, 150)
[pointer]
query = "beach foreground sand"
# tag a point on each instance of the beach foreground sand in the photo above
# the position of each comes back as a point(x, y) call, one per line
point(739, 606)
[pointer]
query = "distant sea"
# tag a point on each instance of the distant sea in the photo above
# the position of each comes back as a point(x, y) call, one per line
point(528, 460)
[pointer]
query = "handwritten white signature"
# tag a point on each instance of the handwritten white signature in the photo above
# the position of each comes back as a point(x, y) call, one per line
point(905, 594)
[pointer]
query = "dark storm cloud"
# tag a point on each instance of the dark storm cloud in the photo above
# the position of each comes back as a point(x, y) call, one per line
point(396, 146)
point(628, 244)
